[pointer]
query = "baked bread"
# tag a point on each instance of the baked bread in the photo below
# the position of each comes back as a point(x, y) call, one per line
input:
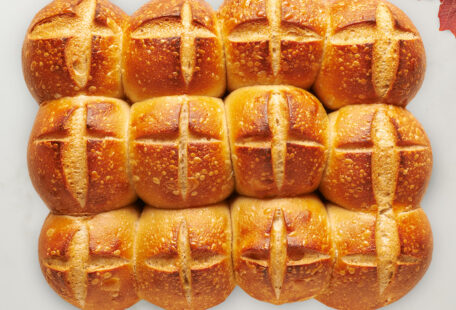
point(278, 137)
point(173, 48)
point(77, 155)
point(352, 52)
point(179, 152)
point(379, 157)
point(377, 262)
point(373, 54)
point(74, 47)
point(290, 249)
point(272, 41)
point(183, 257)
point(281, 248)
point(89, 261)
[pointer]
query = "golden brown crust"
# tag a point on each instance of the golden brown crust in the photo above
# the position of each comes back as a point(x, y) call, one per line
point(356, 281)
point(89, 260)
point(272, 42)
point(74, 47)
point(373, 53)
point(77, 155)
point(173, 48)
point(184, 257)
point(278, 137)
point(349, 176)
point(179, 151)
point(281, 248)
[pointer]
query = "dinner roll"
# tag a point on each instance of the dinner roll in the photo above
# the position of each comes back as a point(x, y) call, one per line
point(281, 248)
point(179, 152)
point(74, 47)
point(77, 155)
point(378, 261)
point(278, 137)
point(184, 257)
point(273, 41)
point(373, 53)
point(173, 48)
point(379, 157)
point(89, 261)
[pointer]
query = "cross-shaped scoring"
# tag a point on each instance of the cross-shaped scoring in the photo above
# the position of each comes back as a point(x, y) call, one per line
point(83, 135)
point(92, 261)
point(274, 33)
point(186, 30)
point(180, 153)
point(385, 37)
point(278, 138)
point(184, 264)
point(80, 29)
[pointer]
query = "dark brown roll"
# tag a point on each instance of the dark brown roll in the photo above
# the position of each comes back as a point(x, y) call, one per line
point(77, 155)
point(278, 137)
point(89, 261)
point(74, 47)
point(173, 48)
point(183, 257)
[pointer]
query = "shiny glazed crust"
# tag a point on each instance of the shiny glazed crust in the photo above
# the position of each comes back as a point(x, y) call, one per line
point(74, 47)
point(278, 137)
point(173, 48)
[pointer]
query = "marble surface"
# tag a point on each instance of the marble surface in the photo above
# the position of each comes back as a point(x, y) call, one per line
point(21, 283)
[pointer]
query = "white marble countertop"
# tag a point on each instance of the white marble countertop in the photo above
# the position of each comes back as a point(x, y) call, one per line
point(23, 287)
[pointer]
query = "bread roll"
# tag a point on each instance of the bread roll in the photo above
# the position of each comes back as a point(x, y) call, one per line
point(281, 248)
point(173, 48)
point(179, 152)
point(373, 53)
point(89, 260)
point(184, 257)
point(74, 47)
point(278, 137)
point(377, 261)
point(273, 41)
point(379, 158)
point(77, 155)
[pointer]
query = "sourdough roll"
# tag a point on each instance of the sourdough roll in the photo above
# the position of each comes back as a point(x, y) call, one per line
point(74, 47)
point(378, 259)
point(281, 248)
point(183, 257)
point(373, 53)
point(273, 41)
point(89, 261)
point(278, 137)
point(379, 157)
point(173, 48)
point(77, 155)
point(179, 152)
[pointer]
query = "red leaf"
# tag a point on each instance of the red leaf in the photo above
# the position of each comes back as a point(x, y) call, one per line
point(447, 15)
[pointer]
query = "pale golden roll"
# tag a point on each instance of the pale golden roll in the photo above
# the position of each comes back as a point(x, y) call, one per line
point(281, 248)
point(379, 259)
point(179, 151)
point(273, 41)
point(77, 155)
point(74, 47)
point(183, 257)
point(278, 137)
point(373, 53)
point(89, 261)
point(173, 48)
point(379, 156)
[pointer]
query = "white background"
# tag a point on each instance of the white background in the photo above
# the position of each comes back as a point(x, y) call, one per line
point(22, 212)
